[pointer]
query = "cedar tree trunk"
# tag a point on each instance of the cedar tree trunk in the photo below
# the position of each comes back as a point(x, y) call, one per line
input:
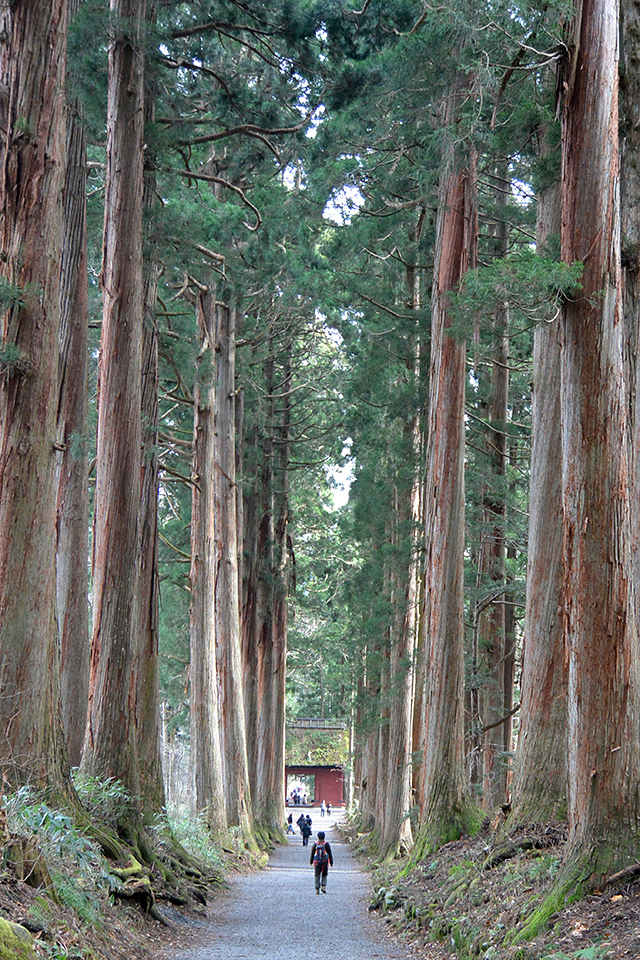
point(32, 172)
point(72, 547)
point(272, 653)
point(110, 743)
point(540, 782)
point(445, 806)
point(601, 632)
point(205, 726)
point(492, 620)
point(148, 699)
point(225, 583)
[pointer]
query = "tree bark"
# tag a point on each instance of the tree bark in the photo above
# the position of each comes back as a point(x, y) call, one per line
point(397, 837)
point(225, 583)
point(269, 793)
point(32, 170)
point(258, 604)
point(630, 208)
point(445, 806)
point(601, 631)
point(205, 721)
point(110, 742)
point(540, 780)
point(72, 546)
point(148, 696)
point(493, 553)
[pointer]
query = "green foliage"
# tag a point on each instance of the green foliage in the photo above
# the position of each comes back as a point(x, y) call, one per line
point(317, 747)
point(107, 801)
point(13, 362)
point(193, 834)
point(10, 294)
point(593, 952)
point(534, 287)
point(79, 872)
point(78, 895)
point(27, 813)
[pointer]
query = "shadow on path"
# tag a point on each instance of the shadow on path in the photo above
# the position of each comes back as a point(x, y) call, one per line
point(275, 914)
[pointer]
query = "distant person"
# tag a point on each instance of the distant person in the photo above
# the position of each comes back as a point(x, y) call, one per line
point(290, 823)
point(328, 809)
point(305, 830)
point(301, 820)
point(323, 808)
point(321, 858)
point(309, 821)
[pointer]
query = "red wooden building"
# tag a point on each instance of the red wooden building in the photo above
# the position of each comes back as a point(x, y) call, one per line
point(321, 783)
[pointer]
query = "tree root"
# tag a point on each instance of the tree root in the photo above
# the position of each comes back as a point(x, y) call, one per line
point(510, 850)
point(141, 892)
point(627, 874)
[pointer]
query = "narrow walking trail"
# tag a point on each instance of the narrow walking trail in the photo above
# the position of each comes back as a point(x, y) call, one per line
point(275, 913)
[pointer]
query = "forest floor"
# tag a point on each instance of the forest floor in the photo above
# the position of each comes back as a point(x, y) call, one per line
point(471, 898)
point(465, 902)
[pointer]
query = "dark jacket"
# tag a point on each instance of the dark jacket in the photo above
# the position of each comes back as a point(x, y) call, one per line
point(327, 847)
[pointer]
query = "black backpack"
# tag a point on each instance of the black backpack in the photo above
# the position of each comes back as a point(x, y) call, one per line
point(321, 857)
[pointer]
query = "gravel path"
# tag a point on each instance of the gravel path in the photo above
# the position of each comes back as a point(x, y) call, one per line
point(275, 914)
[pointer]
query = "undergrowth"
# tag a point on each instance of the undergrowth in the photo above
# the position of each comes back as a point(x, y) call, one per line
point(56, 880)
point(471, 899)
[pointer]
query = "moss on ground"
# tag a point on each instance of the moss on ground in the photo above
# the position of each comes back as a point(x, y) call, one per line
point(15, 942)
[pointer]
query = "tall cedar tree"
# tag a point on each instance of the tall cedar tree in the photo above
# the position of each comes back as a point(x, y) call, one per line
point(32, 177)
point(72, 546)
point(110, 743)
point(601, 631)
point(205, 719)
point(540, 781)
point(444, 799)
point(225, 581)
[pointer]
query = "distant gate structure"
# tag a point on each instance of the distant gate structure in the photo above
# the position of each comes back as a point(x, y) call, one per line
point(321, 781)
point(314, 723)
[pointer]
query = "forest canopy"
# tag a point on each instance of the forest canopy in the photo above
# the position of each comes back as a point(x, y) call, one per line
point(318, 335)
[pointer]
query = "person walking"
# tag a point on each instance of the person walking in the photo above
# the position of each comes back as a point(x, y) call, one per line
point(305, 830)
point(323, 808)
point(321, 858)
point(290, 823)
